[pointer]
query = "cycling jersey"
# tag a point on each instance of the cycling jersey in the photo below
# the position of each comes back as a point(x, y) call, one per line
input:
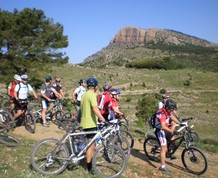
point(46, 89)
point(80, 91)
point(113, 104)
point(57, 88)
point(23, 90)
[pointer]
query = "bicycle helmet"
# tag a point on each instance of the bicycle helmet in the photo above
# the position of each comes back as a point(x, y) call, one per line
point(57, 80)
point(24, 77)
point(115, 92)
point(82, 81)
point(92, 82)
point(106, 87)
point(17, 77)
point(165, 96)
point(171, 104)
point(48, 78)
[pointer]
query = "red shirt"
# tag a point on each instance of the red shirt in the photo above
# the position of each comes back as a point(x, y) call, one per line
point(114, 104)
point(163, 116)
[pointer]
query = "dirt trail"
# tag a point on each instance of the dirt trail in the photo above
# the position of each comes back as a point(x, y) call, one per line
point(138, 162)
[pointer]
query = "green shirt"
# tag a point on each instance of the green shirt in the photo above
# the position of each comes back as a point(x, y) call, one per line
point(88, 119)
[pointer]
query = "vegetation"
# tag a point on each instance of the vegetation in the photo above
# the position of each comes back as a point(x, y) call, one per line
point(29, 41)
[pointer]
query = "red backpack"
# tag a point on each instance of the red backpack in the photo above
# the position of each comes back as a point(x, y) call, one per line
point(103, 102)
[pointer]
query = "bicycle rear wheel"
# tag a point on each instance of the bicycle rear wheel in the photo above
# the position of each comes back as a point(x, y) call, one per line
point(8, 140)
point(129, 137)
point(49, 158)
point(30, 123)
point(109, 161)
point(194, 160)
point(152, 148)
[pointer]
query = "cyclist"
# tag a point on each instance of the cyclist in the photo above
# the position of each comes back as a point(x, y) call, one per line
point(11, 88)
point(104, 100)
point(114, 105)
point(90, 116)
point(46, 90)
point(77, 96)
point(163, 132)
point(58, 87)
point(161, 104)
point(21, 93)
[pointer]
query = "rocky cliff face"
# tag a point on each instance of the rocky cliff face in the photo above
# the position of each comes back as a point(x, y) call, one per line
point(140, 36)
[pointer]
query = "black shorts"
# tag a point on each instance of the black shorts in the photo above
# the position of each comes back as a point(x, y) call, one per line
point(90, 136)
point(21, 105)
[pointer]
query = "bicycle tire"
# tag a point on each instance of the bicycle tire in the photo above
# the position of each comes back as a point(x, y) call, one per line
point(30, 123)
point(69, 124)
point(109, 161)
point(194, 138)
point(152, 148)
point(122, 142)
point(192, 162)
point(129, 137)
point(57, 118)
point(6, 119)
point(9, 140)
point(41, 154)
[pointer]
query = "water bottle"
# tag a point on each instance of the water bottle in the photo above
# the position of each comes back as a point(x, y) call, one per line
point(98, 140)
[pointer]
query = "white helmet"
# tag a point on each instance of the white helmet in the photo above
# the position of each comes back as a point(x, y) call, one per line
point(24, 77)
point(17, 77)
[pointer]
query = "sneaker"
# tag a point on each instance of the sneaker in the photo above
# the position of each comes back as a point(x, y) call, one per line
point(45, 124)
point(165, 170)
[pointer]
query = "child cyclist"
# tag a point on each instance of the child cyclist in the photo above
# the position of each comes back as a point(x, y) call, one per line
point(114, 111)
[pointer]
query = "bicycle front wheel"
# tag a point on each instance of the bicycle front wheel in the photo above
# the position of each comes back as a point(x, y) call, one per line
point(30, 123)
point(48, 157)
point(109, 161)
point(194, 160)
point(152, 148)
point(194, 138)
point(8, 140)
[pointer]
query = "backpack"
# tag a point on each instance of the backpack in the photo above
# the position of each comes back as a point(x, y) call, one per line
point(152, 119)
point(103, 101)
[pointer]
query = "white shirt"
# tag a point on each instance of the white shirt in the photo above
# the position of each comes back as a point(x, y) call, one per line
point(161, 105)
point(23, 90)
point(80, 91)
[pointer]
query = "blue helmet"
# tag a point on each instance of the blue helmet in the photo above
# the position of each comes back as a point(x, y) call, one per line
point(115, 92)
point(106, 87)
point(92, 82)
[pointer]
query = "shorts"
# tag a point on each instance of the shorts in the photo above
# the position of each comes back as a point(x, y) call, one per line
point(21, 105)
point(163, 136)
point(90, 136)
point(45, 104)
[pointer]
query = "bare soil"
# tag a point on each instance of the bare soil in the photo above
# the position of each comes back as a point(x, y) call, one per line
point(138, 166)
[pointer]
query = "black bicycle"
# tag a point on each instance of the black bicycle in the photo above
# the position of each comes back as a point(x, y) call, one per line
point(193, 159)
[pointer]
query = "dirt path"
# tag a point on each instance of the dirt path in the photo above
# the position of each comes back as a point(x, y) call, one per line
point(139, 166)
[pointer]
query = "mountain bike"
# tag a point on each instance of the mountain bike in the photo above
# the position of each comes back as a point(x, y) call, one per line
point(6, 120)
point(193, 158)
point(55, 113)
point(51, 156)
point(8, 140)
point(194, 137)
point(26, 118)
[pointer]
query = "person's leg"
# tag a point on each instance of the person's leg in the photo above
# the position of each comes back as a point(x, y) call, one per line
point(163, 155)
point(17, 114)
point(44, 109)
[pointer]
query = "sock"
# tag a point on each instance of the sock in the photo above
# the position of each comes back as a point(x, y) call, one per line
point(89, 166)
point(162, 166)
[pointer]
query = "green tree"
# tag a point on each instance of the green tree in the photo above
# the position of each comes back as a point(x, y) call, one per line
point(28, 39)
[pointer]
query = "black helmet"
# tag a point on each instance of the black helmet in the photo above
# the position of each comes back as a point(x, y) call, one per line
point(92, 82)
point(106, 87)
point(171, 104)
point(82, 81)
point(48, 78)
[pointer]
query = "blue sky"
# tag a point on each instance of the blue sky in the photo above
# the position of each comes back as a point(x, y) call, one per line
point(91, 24)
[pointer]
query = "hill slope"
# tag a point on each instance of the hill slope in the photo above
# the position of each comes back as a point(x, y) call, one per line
point(139, 45)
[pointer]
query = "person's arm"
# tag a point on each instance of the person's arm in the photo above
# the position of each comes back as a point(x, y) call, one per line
point(97, 113)
point(57, 94)
point(165, 128)
point(62, 93)
point(175, 119)
point(9, 88)
point(44, 96)
point(74, 96)
point(34, 94)
point(117, 110)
